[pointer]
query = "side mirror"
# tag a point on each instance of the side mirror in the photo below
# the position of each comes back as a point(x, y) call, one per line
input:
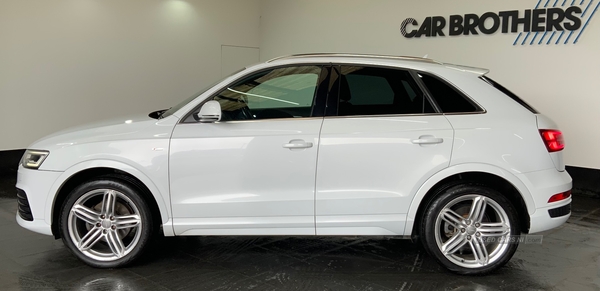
point(210, 112)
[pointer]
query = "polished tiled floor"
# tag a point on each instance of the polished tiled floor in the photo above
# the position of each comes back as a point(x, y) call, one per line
point(567, 259)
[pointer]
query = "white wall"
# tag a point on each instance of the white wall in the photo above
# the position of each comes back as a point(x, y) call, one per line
point(561, 81)
point(66, 62)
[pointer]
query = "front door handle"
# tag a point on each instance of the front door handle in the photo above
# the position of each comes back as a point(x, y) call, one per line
point(298, 144)
point(427, 139)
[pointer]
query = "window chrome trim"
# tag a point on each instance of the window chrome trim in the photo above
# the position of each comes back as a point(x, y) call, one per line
point(466, 113)
point(256, 120)
point(406, 115)
point(386, 115)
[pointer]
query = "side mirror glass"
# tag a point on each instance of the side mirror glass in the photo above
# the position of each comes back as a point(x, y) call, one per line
point(210, 112)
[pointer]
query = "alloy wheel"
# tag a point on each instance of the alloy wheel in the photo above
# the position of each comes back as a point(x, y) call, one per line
point(472, 231)
point(104, 224)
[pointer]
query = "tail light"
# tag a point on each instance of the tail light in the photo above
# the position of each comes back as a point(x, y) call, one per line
point(553, 139)
point(560, 196)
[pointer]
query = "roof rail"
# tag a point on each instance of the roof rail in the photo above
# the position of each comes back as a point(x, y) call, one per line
point(407, 58)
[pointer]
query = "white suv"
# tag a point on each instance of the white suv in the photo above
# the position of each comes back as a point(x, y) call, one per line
point(320, 144)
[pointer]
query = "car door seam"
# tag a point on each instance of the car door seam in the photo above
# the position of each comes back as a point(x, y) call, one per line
point(316, 175)
point(452, 141)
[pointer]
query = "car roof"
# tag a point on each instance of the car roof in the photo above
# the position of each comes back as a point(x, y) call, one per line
point(410, 62)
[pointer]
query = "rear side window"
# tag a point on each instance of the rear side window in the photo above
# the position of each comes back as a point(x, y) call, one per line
point(512, 95)
point(379, 91)
point(449, 100)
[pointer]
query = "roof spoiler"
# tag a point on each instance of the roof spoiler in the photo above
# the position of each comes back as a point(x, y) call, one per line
point(474, 70)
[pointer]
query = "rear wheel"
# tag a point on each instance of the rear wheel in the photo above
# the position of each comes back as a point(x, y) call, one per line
point(470, 229)
point(105, 223)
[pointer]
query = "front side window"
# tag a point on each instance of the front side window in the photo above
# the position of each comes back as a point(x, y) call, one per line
point(279, 93)
point(379, 91)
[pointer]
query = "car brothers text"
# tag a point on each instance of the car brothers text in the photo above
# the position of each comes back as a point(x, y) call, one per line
point(488, 23)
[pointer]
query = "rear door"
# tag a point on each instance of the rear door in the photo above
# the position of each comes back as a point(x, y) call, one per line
point(381, 139)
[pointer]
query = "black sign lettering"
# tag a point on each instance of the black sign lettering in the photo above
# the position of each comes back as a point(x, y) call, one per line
point(569, 14)
point(405, 23)
point(506, 17)
point(526, 21)
point(439, 23)
point(425, 28)
point(456, 25)
point(471, 22)
point(495, 23)
point(538, 19)
point(512, 21)
point(554, 19)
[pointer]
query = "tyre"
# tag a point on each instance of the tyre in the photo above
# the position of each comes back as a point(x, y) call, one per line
point(470, 229)
point(105, 223)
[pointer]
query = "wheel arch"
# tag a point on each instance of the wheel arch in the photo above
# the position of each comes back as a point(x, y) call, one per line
point(488, 175)
point(87, 171)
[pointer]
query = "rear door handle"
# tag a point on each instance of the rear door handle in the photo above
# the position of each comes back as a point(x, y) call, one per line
point(298, 144)
point(427, 139)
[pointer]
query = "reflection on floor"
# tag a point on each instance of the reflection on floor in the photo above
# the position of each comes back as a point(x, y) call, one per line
point(567, 259)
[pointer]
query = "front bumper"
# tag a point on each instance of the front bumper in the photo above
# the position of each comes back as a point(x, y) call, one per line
point(37, 186)
point(39, 226)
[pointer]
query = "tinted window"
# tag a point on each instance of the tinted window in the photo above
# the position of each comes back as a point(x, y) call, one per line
point(279, 93)
point(449, 100)
point(379, 91)
point(509, 94)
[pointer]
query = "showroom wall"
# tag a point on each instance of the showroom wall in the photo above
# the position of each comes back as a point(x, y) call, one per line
point(560, 80)
point(67, 62)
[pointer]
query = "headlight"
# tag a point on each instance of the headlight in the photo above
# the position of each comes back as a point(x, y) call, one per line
point(33, 159)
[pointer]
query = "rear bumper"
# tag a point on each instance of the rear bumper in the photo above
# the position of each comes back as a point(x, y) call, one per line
point(542, 185)
point(542, 219)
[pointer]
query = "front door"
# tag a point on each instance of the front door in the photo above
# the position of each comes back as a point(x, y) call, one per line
point(254, 171)
point(380, 141)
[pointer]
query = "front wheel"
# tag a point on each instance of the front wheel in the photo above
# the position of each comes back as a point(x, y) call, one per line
point(471, 229)
point(105, 223)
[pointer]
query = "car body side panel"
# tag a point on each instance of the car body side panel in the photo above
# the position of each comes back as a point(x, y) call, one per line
point(535, 188)
point(513, 143)
point(238, 177)
point(422, 189)
point(367, 168)
point(505, 135)
point(159, 190)
point(136, 146)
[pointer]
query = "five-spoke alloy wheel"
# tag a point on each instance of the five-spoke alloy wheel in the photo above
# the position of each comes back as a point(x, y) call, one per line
point(470, 229)
point(105, 223)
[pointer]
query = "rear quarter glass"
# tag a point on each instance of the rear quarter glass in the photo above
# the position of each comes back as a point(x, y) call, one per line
point(508, 93)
